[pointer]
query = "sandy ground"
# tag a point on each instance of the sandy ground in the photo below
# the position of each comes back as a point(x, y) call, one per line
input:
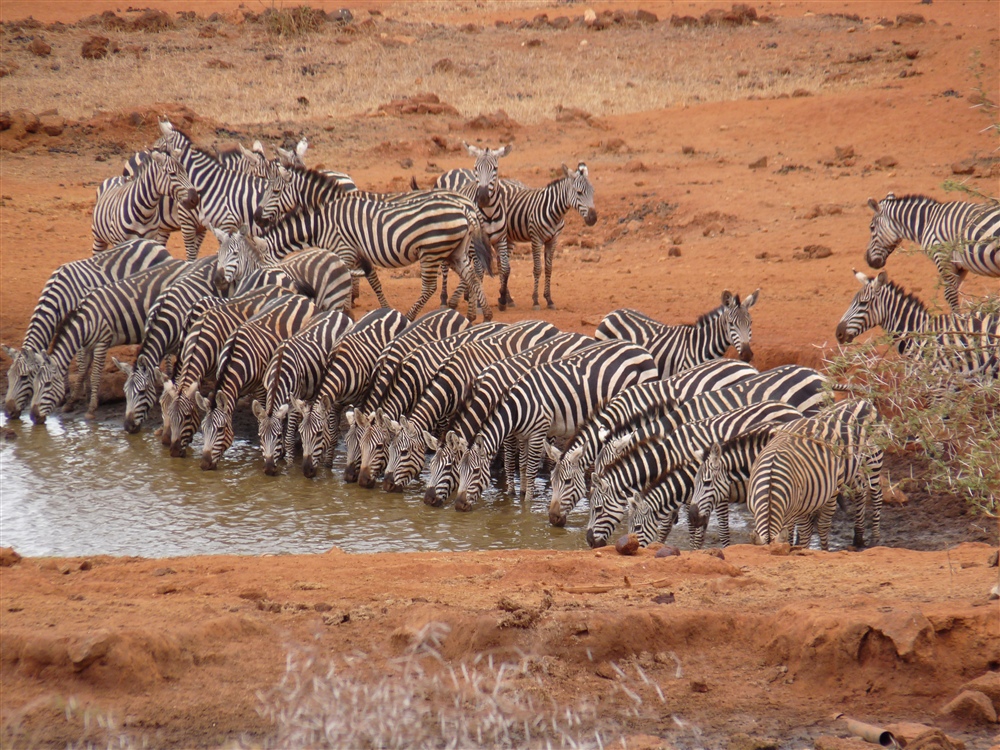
point(769, 645)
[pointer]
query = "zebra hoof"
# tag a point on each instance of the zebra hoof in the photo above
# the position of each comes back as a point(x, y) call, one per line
point(90, 416)
point(501, 306)
point(536, 306)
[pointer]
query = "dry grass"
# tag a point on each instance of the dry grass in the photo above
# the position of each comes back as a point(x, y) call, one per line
point(491, 70)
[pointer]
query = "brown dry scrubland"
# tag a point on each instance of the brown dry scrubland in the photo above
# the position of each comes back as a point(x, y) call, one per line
point(729, 148)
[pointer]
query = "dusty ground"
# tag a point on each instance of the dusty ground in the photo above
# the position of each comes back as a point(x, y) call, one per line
point(770, 646)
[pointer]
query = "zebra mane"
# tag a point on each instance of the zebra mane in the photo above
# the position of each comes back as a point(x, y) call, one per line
point(737, 440)
point(557, 180)
point(915, 197)
point(710, 315)
point(279, 359)
point(905, 296)
point(62, 326)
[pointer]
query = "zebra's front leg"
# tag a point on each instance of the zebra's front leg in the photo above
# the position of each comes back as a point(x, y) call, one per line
point(723, 513)
point(823, 523)
point(96, 370)
point(860, 513)
point(503, 251)
point(951, 277)
point(537, 248)
point(444, 287)
point(460, 263)
point(332, 433)
point(550, 251)
point(376, 285)
point(84, 366)
point(510, 465)
point(534, 448)
point(428, 283)
point(291, 434)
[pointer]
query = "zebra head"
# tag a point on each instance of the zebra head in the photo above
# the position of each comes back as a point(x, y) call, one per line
point(294, 159)
point(582, 196)
point(600, 524)
point(183, 415)
point(238, 256)
point(473, 476)
point(313, 432)
point(711, 487)
point(372, 441)
point(644, 519)
point(612, 450)
point(140, 387)
point(738, 322)
point(170, 178)
point(217, 429)
point(865, 310)
point(886, 232)
point(405, 454)
point(569, 484)
point(442, 476)
point(487, 171)
point(279, 198)
point(356, 424)
point(48, 387)
point(270, 430)
point(19, 377)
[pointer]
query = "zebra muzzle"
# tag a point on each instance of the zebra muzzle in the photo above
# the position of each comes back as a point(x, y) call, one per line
point(12, 410)
point(746, 353)
point(431, 498)
point(36, 416)
point(389, 485)
point(308, 467)
point(191, 200)
point(557, 518)
point(351, 473)
point(696, 519)
point(593, 541)
point(591, 218)
point(365, 479)
point(208, 463)
point(270, 466)
point(131, 425)
point(843, 336)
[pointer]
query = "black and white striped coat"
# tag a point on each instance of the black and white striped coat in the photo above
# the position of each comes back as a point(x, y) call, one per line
point(62, 293)
point(626, 324)
point(964, 344)
point(242, 364)
point(797, 477)
point(552, 399)
point(449, 388)
point(111, 315)
point(295, 371)
point(347, 380)
point(633, 464)
point(959, 237)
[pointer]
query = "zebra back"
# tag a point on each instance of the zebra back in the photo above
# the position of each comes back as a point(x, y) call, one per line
point(626, 324)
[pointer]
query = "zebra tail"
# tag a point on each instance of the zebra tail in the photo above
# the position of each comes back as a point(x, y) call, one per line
point(413, 183)
point(483, 248)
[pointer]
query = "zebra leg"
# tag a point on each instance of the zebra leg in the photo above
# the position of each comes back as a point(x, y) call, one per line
point(550, 251)
point(503, 251)
point(193, 233)
point(444, 287)
point(84, 364)
point(428, 283)
point(96, 370)
point(860, 513)
point(460, 263)
point(951, 277)
point(537, 248)
point(875, 488)
point(534, 448)
point(823, 523)
point(376, 285)
point(510, 465)
point(291, 433)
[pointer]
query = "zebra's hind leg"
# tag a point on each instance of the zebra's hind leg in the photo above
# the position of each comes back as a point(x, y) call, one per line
point(510, 465)
point(376, 285)
point(444, 287)
point(96, 371)
point(503, 251)
point(291, 434)
point(533, 450)
point(84, 366)
point(550, 250)
point(428, 283)
point(537, 248)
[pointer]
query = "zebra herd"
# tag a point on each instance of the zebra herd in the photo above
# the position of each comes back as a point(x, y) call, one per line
point(647, 421)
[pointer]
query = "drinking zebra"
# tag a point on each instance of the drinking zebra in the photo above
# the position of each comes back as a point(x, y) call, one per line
point(967, 345)
point(110, 315)
point(126, 209)
point(808, 462)
point(295, 371)
point(959, 237)
point(552, 399)
point(62, 293)
point(539, 215)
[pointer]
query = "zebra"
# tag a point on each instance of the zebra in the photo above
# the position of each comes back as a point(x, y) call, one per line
point(627, 324)
point(959, 237)
point(321, 274)
point(347, 380)
point(551, 399)
point(163, 333)
point(130, 208)
point(632, 464)
point(489, 389)
point(967, 345)
point(294, 159)
point(295, 371)
point(434, 229)
point(214, 321)
point(240, 372)
point(627, 408)
point(452, 386)
point(110, 315)
point(62, 293)
point(538, 216)
point(798, 475)
point(415, 371)
point(249, 161)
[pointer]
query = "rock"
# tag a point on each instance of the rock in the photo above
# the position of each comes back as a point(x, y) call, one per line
point(52, 125)
point(813, 252)
point(216, 64)
point(646, 742)
point(254, 595)
point(780, 549)
point(342, 15)
point(590, 257)
point(912, 54)
point(39, 47)
point(8, 557)
point(972, 706)
point(683, 21)
point(667, 598)
point(667, 551)
point(713, 229)
point(674, 252)
point(687, 150)
point(627, 545)
point(166, 588)
point(909, 19)
point(800, 93)
point(634, 165)
point(886, 162)
point(418, 104)
point(589, 17)
point(994, 593)
point(967, 166)
point(644, 16)
point(697, 686)
point(21, 123)
point(95, 48)
point(86, 565)
point(987, 684)
point(406, 163)
point(742, 741)
point(994, 559)
point(322, 607)
point(759, 164)
point(499, 120)
point(560, 22)
point(153, 20)
point(714, 552)
point(89, 649)
point(933, 739)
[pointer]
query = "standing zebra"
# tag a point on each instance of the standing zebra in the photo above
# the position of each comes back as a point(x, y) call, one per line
point(130, 208)
point(627, 324)
point(242, 363)
point(635, 465)
point(959, 237)
point(111, 315)
point(797, 477)
point(295, 371)
point(552, 399)
point(62, 293)
point(967, 345)
point(163, 333)
point(538, 216)
point(347, 380)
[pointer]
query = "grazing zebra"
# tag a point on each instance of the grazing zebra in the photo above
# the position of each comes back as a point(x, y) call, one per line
point(415, 371)
point(627, 408)
point(449, 388)
point(482, 184)
point(959, 237)
point(62, 293)
point(798, 475)
point(347, 380)
point(252, 161)
point(968, 345)
point(538, 216)
point(296, 157)
point(627, 324)
point(632, 465)
point(240, 372)
point(551, 399)
point(295, 371)
point(489, 389)
point(163, 333)
point(126, 209)
point(434, 229)
point(110, 315)
point(213, 322)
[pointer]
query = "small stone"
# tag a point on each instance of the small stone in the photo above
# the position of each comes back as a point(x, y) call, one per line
point(95, 48)
point(8, 557)
point(699, 687)
point(86, 565)
point(216, 64)
point(406, 163)
point(634, 165)
point(645, 16)
point(343, 15)
point(39, 47)
point(667, 598)
point(164, 572)
point(759, 164)
point(667, 551)
point(713, 229)
point(89, 649)
point(912, 54)
point(968, 166)
point(994, 559)
point(987, 684)
point(589, 16)
point(52, 125)
point(973, 706)
point(800, 93)
point(254, 595)
point(674, 252)
point(909, 19)
point(780, 550)
point(322, 607)
point(886, 162)
point(590, 257)
point(687, 150)
point(627, 545)
point(714, 552)
point(166, 588)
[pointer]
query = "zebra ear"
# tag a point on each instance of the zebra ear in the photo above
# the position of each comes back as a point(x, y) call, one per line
point(472, 150)
point(634, 501)
point(565, 170)
point(727, 298)
point(302, 407)
point(285, 157)
point(879, 281)
point(166, 127)
point(553, 453)
point(460, 444)
point(9, 351)
point(603, 434)
point(715, 453)
point(258, 148)
point(282, 412)
point(575, 454)
point(505, 150)
point(258, 410)
point(752, 299)
point(222, 401)
point(260, 244)
point(860, 277)
point(168, 387)
point(124, 367)
point(202, 403)
point(393, 427)
point(221, 235)
point(360, 418)
point(192, 391)
point(430, 441)
point(582, 169)
point(301, 147)
point(873, 204)
point(247, 153)
point(350, 417)
point(158, 156)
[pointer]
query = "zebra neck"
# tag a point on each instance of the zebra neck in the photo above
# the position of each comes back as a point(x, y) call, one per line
point(707, 339)
point(559, 197)
point(77, 333)
point(902, 314)
point(913, 218)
